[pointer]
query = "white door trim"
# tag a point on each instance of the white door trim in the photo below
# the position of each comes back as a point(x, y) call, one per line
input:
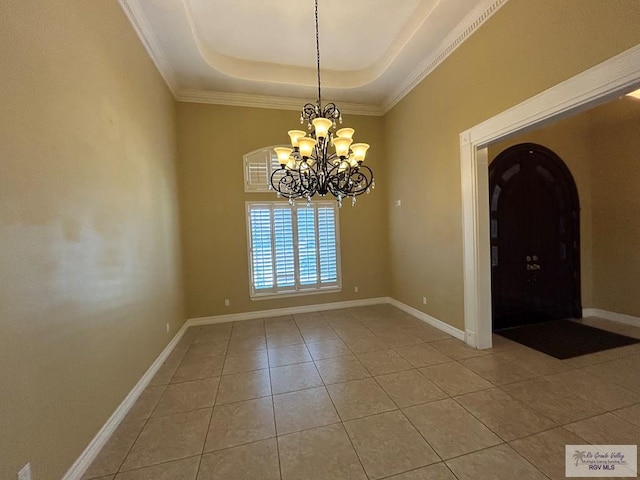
point(607, 80)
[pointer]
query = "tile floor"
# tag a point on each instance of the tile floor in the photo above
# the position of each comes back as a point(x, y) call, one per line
point(368, 393)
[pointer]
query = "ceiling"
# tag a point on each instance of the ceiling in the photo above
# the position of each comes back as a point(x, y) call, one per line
point(262, 52)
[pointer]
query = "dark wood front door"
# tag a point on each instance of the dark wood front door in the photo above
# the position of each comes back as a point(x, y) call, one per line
point(535, 247)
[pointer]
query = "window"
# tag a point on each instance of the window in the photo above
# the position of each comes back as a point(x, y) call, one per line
point(258, 167)
point(293, 249)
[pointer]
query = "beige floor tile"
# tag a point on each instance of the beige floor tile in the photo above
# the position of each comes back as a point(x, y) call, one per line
point(308, 317)
point(497, 370)
point(212, 334)
point(383, 361)
point(245, 362)
point(164, 374)
point(186, 396)
point(606, 429)
point(359, 398)
point(243, 386)
point(400, 338)
point(147, 401)
point(381, 326)
point(247, 462)
point(506, 416)
point(624, 372)
point(290, 378)
point(303, 409)
point(409, 388)
point(630, 414)
point(457, 349)
point(605, 394)
point(341, 369)
point(585, 360)
point(197, 368)
point(422, 355)
point(248, 328)
point(455, 379)
point(323, 453)
point(438, 471)
point(318, 334)
point(239, 423)
point(546, 450)
point(502, 461)
point(288, 355)
point(185, 469)
point(328, 349)
point(553, 401)
point(209, 349)
point(450, 429)
point(114, 452)
point(388, 444)
point(429, 334)
point(245, 344)
point(537, 362)
point(282, 328)
point(364, 342)
point(284, 339)
point(279, 319)
point(169, 438)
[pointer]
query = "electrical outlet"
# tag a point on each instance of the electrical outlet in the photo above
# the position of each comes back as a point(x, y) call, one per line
point(226, 302)
point(355, 289)
point(167, 327)
point(424, 300)
point(25, 472)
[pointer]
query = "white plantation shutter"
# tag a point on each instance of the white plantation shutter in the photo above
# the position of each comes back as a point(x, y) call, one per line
point(284, 247)
point(293, 249)
point(307, 251)
point(261, 247)
point(327, 250)
point(258, 166)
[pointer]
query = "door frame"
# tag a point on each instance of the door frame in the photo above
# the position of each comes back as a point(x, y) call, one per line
point(609, 79)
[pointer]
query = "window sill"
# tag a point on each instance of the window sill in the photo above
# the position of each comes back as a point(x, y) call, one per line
point(302, 293)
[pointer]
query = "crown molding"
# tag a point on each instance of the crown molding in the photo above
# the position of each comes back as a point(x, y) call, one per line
point(145, 33)
point(474, 20)
point(266, 101)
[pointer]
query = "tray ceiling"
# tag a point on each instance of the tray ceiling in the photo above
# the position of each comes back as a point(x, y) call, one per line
point(262, 52)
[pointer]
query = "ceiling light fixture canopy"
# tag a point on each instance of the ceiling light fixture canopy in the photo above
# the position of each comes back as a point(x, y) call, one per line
point(324, 161)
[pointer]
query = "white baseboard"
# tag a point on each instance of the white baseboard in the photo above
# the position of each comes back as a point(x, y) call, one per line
point(276, 312)
point(83, 462)
point(615, 317)
point(434, 322)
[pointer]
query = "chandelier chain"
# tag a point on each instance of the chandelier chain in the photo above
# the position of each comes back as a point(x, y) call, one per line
point(318, 54)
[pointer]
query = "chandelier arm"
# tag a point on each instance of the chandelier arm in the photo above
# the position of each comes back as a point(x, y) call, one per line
point(286, 184)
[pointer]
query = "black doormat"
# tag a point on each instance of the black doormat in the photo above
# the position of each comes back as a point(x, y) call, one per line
point(565, 339)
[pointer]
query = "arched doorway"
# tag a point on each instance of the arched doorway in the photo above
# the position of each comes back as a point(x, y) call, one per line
point(535, 238)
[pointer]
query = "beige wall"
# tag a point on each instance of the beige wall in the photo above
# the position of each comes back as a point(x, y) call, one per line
point(212, 140)
point(525, 48)
point(615, 140)
point(89, 249)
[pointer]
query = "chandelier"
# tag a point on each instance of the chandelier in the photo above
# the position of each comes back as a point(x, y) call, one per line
point(324, 161)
